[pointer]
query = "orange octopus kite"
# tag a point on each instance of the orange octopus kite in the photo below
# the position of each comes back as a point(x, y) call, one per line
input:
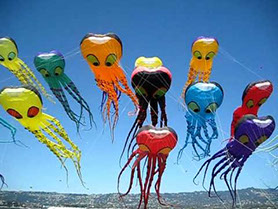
point(103, 53)
point(203, 51)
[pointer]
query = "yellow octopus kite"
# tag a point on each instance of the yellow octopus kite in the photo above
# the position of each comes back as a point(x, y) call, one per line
point(25, 105)
point(203, 51)
point(9, 59)
point(103, 53)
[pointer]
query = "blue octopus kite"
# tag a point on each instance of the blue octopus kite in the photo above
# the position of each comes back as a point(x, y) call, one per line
point(202, 101)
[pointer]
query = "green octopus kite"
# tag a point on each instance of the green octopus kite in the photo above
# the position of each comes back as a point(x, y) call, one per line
point(51, 66)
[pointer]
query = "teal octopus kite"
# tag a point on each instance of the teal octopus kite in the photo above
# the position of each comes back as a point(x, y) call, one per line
point(51, 66)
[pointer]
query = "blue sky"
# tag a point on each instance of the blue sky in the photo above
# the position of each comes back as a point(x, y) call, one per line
point(247, 30)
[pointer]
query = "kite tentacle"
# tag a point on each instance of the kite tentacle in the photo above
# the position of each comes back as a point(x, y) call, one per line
point(127, 90)
point(163, 116)
point(152, 173)
point(135, 164)
point(215, 172)
point(30, 75)
point(10, 127)
point(74, 92)
point(154, 111)
point(149, 165)
point(216, 155)
point(190, 131)
point(191, 77)
point(206, 75)
point(74, 154)
point(161, 168)
point(123, 169)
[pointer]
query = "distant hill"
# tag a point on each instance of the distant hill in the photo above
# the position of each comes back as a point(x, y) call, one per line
point(250, 198)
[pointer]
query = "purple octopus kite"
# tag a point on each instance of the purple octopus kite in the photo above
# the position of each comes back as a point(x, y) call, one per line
point(250, 132)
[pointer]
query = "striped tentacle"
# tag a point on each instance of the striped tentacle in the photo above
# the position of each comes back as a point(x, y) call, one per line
point(73, 91)
point(190, 79)
point(30, 75)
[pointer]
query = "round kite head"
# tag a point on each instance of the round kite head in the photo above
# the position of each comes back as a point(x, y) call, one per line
point(150, 62)
point(251, 131)
point(8, 51)
point(204, 48)
point(150, 79)
point(22, 103)
point(203, 99)
point(51, 64)
point(101, 50)
point(255, 94)
point(156, 140)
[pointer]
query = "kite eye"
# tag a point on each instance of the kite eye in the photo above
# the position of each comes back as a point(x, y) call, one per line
point(211, 108)
point(194, 107)
point(262, 101)
point(2, 59)
point(159, 92)
point(14, 113)
point(110, 60)
point(198, 55)
point(210, 55)
point(11, 56)
point(33, 111)
point(93, 59)
point(141, 91)
point(250, 103)
point(58, 71)
point(260, 140)
point(44, 72)
point(244, 139)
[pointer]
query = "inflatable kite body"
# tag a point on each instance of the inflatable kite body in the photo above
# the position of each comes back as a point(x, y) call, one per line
point(25, 105)
point(254, 95)
point(9, 59)
point(150, 80)
point(202, 101)
point(154, 144)
point(103, 54)
point(250, 132)
point(203, 51)
point(51, 66)
point(10, 127)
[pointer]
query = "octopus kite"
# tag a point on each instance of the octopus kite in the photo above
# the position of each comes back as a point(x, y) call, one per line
point(150, 80)
point(254, 95)
point(103, 54)
point(10, 127)
point(25, 105)
point(154, 144)
point(51, 66)
point(202, 101)
point(203, 51)
point(250, 132)
point(9, 59)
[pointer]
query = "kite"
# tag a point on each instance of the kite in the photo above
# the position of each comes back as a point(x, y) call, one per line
point(250, 132)
point(25, 105)
point(9, 59)
point(254, 95)
point(150, 80)
point(103, 54)
point(203, 50)
point(51, 66)
point(154, 144)
point(202, 101)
